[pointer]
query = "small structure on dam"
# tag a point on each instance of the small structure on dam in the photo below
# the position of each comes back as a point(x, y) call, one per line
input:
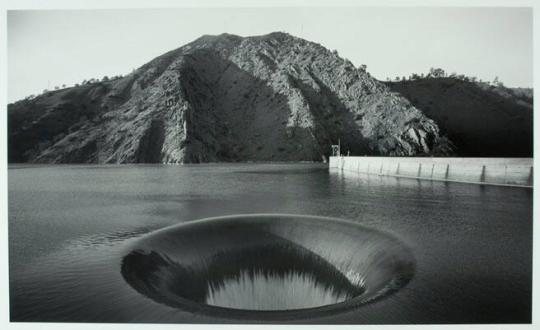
point(494, 171)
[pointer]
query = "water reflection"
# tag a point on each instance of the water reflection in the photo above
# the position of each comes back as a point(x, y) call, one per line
point(71, 226)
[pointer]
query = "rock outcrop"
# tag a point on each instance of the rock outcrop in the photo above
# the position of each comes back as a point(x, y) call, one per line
point(480, 119)
point(224, 98)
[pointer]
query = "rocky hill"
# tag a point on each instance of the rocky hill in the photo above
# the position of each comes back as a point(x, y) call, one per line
point(480, 119)
point(224, 98)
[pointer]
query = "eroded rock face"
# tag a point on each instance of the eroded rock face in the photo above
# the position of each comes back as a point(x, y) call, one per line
point(224, 98)
point(481, 120)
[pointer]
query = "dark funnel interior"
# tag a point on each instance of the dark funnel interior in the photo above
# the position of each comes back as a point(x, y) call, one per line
point(266, 263)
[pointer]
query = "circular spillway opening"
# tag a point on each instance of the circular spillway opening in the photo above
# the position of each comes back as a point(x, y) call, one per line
point(264, 266)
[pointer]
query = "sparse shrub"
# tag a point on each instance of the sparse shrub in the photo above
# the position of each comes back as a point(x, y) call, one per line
point(436, 73)
point(497, 82)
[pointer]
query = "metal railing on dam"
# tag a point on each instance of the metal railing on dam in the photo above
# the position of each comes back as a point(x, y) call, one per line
point(495, 171)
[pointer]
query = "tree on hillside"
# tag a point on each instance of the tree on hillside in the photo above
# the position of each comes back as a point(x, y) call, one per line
point(63, 85)
point(436, 73)
point(497, 82)
point(363, 67)
point(105, 78)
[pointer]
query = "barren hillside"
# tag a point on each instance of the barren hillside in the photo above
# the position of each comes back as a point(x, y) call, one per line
point(224, 98)
point(481, 120)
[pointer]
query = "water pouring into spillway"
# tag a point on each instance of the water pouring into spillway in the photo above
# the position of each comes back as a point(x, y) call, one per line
point(267, 265)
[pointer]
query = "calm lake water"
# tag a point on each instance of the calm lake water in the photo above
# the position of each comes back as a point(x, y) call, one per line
point(70, 227)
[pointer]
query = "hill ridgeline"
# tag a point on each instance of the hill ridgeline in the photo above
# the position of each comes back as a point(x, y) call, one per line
point(227, 98)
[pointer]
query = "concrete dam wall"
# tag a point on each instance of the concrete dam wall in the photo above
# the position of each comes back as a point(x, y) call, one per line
point(498, 171)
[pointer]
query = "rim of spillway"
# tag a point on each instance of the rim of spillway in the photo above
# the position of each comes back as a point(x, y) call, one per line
point(186, 266)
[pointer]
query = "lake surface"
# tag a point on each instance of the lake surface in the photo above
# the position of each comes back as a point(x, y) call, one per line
point(71, 226)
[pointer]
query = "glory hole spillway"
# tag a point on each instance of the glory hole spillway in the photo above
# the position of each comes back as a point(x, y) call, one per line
point(267, 266)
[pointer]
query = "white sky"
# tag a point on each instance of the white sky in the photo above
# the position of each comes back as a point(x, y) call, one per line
point(47, 48)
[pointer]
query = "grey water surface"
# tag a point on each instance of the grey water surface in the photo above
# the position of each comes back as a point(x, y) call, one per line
point(71, 226)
